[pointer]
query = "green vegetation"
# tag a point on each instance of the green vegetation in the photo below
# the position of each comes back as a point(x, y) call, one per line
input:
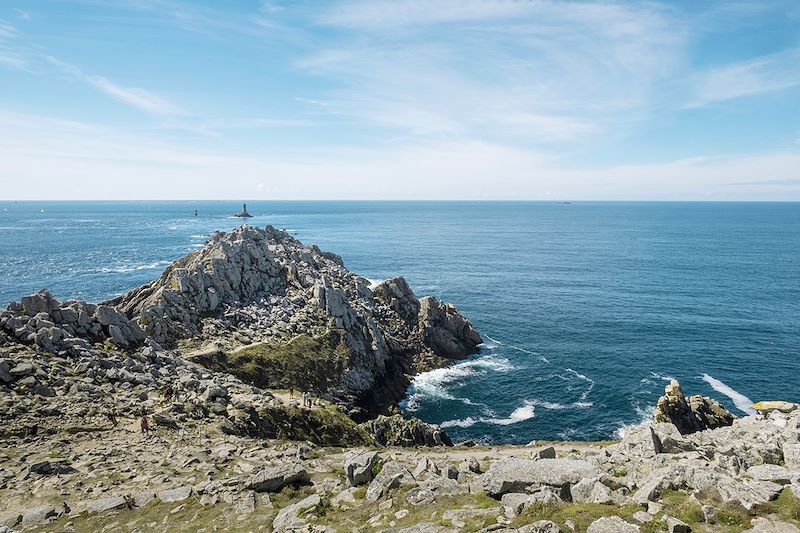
point(582, 514)
point(304, 363)
point(786, 506)
point(326, 425)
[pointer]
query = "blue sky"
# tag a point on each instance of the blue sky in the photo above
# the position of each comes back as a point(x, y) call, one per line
point(403, 99)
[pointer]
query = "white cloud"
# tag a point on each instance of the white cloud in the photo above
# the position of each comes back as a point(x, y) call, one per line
point(765, 74)
point(133, 96)
point(535, 71)
point(107, 163)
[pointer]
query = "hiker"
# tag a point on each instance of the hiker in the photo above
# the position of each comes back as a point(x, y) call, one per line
point(305, 399)
point(145, 424)
point(291, 392)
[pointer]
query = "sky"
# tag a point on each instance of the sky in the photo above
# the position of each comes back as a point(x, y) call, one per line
point(399, 99)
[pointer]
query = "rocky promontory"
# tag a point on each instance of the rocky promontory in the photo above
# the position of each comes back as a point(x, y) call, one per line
point(260, 305)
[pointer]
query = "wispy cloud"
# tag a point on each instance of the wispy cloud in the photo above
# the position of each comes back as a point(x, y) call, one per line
point(133, 96)
point(536, 71)
point(765, 74)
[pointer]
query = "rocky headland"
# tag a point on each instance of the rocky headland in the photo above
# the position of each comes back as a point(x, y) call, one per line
point(177, 407)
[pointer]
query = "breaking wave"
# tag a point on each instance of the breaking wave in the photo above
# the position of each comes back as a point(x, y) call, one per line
point(742, 402)
point(134, 268)
point(524, 412)
point(437, 384)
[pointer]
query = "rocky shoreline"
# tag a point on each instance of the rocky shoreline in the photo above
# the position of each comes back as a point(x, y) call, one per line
point(213, 356)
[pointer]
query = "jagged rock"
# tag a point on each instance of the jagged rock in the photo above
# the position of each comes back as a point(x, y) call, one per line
point(611, 524)
point(358, 466)
point(516, 475)
point(274, 478)
point(695, 413)
point(398, 431)
point(447, 331)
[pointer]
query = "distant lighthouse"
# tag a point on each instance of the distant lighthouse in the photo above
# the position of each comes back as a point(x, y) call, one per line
point(243, 213)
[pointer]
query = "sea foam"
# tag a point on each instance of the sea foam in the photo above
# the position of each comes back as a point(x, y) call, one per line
point(742, 402)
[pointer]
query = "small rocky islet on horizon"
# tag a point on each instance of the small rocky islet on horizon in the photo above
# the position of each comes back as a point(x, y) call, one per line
point(255, 385)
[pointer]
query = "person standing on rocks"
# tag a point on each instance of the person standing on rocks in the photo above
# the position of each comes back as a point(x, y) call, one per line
point(145, 424)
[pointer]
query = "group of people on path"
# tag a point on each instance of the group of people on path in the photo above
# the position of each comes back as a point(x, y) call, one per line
point(308, 399)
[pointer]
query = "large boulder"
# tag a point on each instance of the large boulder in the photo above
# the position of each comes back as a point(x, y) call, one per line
point(359, 465)
point(612, 524)
point(695, 413)
point(519, 475)
point(274, 478)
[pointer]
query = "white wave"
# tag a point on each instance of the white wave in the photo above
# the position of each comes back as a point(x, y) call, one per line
point(645, 418)
point(520, 414)
point(493, 343)
point(373, 283)
point(523, 350)
point(589, 380)
point(461, 423)
point(436, 383)
point(554, 406)
point(659, 376)
point(198, 236)
point(544, 359)
point(742, 402)
point(134, 268)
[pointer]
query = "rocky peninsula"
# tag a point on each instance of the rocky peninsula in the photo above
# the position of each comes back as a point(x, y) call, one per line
point(177, 407)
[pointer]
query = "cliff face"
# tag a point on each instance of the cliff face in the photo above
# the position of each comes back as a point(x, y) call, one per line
point(262, 288)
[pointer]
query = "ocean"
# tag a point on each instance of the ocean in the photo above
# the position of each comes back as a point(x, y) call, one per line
point(587, 308)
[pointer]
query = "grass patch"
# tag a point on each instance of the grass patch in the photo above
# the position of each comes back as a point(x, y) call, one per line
point(581, 514)
point(786, 506)
point(304, 363)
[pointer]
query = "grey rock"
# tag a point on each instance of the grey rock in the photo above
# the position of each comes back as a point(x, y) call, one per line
point(514, 503)
point(358, 466)
point(540, 526)
point(101, 505)
point(140, 499)
point(546, 453)
point(38, 514)
point(774, 473)
point(611, 524)
point(766, 525)
point(274, 478)
point(590, 490)
point(516, 475)
point(676, 526)
point(175, 495)
point(709, 514)
point(290, 518)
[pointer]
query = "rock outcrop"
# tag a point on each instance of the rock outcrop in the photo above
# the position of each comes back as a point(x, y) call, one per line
point(690, 414)
point(262, 287)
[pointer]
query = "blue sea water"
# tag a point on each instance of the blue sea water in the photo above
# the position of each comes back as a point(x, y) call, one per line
point(586, 308)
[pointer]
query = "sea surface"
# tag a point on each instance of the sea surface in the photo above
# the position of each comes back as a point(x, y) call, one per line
point(586, 308)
